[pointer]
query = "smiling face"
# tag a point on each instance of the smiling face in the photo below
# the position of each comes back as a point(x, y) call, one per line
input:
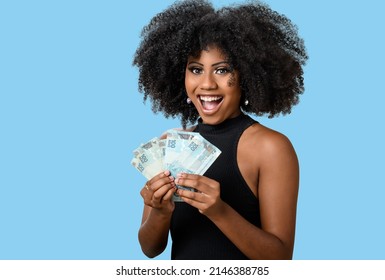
point(213, 86)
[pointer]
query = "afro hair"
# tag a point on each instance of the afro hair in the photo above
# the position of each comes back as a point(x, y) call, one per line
point(261, 44)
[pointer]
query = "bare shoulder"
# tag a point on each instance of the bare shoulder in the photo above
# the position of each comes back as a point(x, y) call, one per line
point(264, 151)
point(267, 143)
point(267, 137)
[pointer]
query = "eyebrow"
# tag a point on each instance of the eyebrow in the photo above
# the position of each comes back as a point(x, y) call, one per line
point(215, 64)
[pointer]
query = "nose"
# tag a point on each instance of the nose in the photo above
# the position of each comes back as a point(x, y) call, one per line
point(208, 82)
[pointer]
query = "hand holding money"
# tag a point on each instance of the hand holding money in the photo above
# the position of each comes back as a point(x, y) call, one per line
point(181, 151)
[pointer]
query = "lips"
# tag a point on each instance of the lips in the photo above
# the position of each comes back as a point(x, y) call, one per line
point(210, 103)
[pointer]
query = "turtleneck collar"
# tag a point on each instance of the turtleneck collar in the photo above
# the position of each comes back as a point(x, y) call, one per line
point(224, 126)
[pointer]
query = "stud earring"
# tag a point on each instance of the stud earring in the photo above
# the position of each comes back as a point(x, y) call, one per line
point(246, 102)
point(188, 100)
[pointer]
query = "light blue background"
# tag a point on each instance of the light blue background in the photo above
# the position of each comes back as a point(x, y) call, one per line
point(70, 115)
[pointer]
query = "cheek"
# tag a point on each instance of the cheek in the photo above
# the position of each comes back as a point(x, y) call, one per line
point(235, 92)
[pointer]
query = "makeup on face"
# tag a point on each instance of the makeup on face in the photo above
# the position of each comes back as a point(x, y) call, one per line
point(213, 86)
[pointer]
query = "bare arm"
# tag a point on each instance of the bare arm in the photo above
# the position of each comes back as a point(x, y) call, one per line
point(158, 208)
point(277, 188)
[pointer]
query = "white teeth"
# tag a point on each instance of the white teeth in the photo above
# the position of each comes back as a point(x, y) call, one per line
point(210, 98)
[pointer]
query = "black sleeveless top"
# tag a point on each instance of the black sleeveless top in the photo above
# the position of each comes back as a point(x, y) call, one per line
point(193, 235)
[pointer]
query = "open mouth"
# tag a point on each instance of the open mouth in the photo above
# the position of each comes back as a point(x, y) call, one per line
point(210, 102)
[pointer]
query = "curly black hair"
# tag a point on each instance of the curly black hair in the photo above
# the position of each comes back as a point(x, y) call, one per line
point(261, 44)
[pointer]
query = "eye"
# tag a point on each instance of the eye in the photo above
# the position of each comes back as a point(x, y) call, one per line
point(195, 70)
point(222, 71)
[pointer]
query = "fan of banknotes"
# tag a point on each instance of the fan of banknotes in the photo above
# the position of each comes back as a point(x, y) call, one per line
point(180, 151)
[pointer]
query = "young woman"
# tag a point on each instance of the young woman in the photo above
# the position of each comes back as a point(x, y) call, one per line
point(210, 68)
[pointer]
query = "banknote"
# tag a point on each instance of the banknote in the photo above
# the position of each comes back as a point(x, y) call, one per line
point(180, 151)
point(200, 155)
point(147, 165)
point(176, 143)
point(162, 148)
point(176, 169)
point(148, 158)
